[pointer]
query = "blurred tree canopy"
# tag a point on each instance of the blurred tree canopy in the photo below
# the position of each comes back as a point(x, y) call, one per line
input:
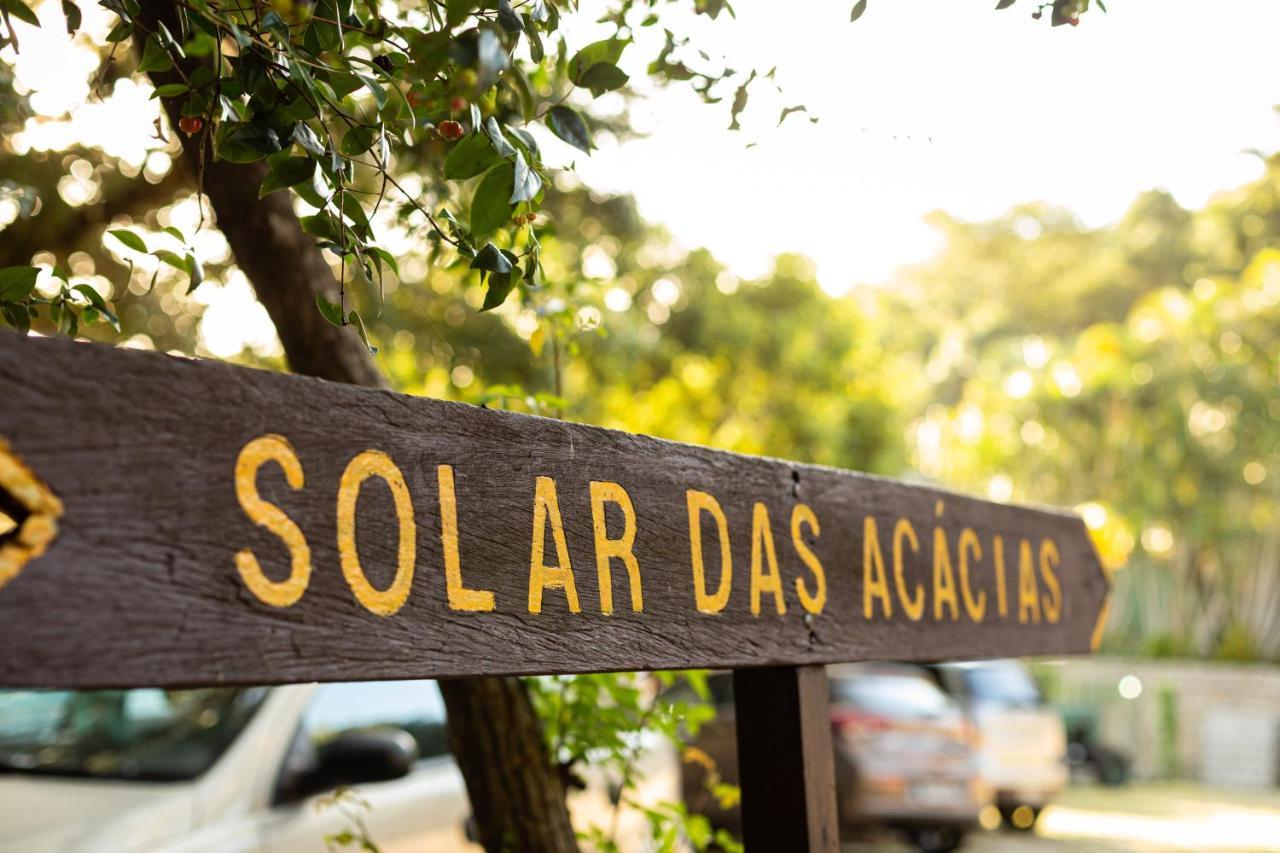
point(1133, 372)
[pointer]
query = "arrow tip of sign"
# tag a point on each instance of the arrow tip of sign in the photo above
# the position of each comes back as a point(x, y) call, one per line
point(39, 509)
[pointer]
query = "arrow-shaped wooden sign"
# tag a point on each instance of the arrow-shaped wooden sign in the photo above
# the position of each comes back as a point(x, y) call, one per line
point(217, 524)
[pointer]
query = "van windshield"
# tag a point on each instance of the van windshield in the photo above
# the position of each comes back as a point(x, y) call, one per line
point(142, 734)
point(1005, 683)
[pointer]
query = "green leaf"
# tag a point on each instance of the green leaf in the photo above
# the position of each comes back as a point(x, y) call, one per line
point(306, 137)
point(71, 12)
point(491, 259)
point(154, 56)
point(379, 93)
point(173, 259)
point(500, 284)
point(498, 268)
point(536, 51)
point(133, 241)
point(858, 9)
point(169, 90)
point(119, 32)
point(246, 143)
point(17, 317)
point(569, 125)
point(525, 181)
point(525, 140)
point(21, 11)
point(195, 272)
point(490, 206)
point(385, 257)
point(356, 141)
point(96, 300)
point(456, 11)
point(355, 319)
point(286, 172)
point(507, 17)
point(1004, 4)
point(331, 311)
point(500, 143)
point(603, 77)
point(606, 52)
point(16, 283)
point(321, 225)
point(786, 111)
point(473, 155)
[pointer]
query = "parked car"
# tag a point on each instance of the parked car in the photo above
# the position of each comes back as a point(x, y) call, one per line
point(255, 769)
point(227, 769)
point(1023, 745)
point(905, 756)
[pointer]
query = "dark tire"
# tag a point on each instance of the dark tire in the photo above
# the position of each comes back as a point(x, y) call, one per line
point(936, 839)
point(1010, 818)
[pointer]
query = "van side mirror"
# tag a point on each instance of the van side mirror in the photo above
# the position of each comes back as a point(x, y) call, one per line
point(352, 758)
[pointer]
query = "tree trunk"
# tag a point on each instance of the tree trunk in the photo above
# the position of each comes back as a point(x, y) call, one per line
point(517, 794)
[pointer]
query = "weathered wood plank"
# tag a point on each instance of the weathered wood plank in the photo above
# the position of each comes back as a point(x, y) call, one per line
point(141, 585)
point(786, 767)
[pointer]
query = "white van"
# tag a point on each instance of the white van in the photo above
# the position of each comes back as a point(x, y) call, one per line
point(1023, 752)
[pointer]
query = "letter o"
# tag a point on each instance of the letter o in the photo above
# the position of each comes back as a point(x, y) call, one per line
point(375, 463)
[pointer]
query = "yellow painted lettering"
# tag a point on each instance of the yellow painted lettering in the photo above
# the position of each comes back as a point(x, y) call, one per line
point(541, 576)
point(875, 583)
point(459, 597)
point(1028, 594)
point(1002, 596)
point(272, 448)
point(912, 606)
point(944, 582)
point(1049, 558)
point(762, 554)
point(699, 502)
point(974, 605)
point(812, 603)
point(623, 548)
point(375, 463)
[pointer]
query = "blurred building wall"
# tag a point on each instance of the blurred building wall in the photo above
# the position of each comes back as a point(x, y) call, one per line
point(1214, 722)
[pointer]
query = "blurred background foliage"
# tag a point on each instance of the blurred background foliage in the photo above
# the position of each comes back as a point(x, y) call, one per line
point(1130, 371)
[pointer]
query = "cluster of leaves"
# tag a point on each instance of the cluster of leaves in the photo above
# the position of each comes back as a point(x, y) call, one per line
point(340, 98)
point(352, 807)
point(70, 306)
point(603, 720)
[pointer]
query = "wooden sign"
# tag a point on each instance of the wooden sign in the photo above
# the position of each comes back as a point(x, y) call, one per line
point(180, 522)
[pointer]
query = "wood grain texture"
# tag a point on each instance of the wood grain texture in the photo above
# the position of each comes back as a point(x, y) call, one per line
point(786, 766)
point(140, 586)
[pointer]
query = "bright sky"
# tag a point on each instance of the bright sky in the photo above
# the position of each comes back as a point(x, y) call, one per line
point(945, 104)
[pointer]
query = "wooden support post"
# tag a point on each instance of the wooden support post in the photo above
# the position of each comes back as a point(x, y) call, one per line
point(786, 766)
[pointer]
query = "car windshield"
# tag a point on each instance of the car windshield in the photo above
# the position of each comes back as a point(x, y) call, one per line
point(891, 695)
point(142, 734)
point(1002, 683)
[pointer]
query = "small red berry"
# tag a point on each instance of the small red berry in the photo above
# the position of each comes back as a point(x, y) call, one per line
point(451, 130)
point(1037, 15)
point(1075, 22)
point(190, 125)
point(457, 104)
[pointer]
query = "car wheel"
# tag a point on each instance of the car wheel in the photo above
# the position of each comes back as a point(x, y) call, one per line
point(936, 839)
point(1020, 818)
